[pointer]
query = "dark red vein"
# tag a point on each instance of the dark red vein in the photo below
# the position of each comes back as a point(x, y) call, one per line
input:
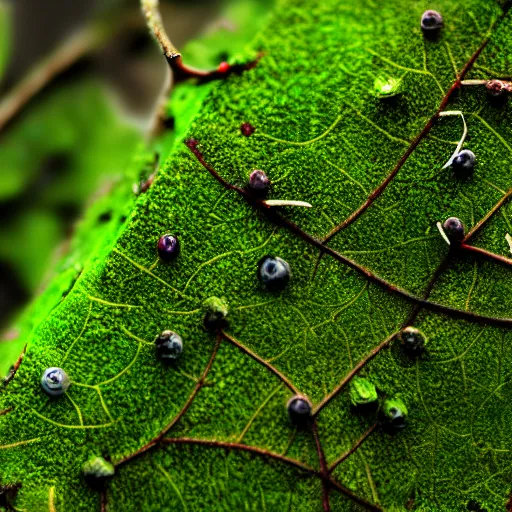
point(323, 468)
point(158, 439)
point(410, 150)
point(276, 218)
point(278, 457)
point(354, 448)
point(487, 254)
point(261, 361)
point(245, 448)
point(103, 501)
point(489, 215)
point(352, 373)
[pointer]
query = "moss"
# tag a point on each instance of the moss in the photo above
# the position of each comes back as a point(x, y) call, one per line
point(322, 137)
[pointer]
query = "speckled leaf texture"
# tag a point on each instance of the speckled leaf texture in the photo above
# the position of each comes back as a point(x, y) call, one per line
point(322, 137)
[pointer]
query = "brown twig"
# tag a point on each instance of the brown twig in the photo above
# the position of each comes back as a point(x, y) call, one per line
point(158, 439)
point(72, 50)
point(6, 411)
point(15, 368)
point(151, 10)
point(261, 361)
point(354, 448)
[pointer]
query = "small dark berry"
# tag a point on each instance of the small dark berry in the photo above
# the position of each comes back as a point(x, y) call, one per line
point(454, 230)
point(169, 345)
point(413, 341)
point(224, 67)
point(464, 163)
point(299, 411)
point(431, 21)
point(259, 182)
point(97, 472)
point(216, 313)
point(274, 273)
point(247, 129)
point(55, 381)
point(168, 248)
point(496, 87)
point(394, 414)
point(362, 392)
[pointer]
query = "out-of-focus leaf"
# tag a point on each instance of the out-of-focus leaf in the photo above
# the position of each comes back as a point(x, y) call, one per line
point(5, 36)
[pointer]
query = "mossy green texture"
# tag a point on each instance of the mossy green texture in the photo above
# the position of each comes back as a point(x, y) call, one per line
point(322, 137)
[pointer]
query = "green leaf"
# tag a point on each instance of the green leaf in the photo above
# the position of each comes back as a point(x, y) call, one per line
point(5, 36)
point(213, 427)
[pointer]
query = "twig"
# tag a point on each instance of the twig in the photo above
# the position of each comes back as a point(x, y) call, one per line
point(151, 10)
point(84, 42)
point(15, 368)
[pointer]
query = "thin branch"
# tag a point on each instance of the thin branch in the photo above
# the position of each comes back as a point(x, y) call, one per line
point(158, 439)
point(350, 375)
point(261, 361)
point(6, 411)
point(15, 368)
point(72, 50)
point(354, 448)
point(323, 468)
point(151, 10)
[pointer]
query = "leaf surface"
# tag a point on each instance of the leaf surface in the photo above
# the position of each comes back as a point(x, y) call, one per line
point(322, 137)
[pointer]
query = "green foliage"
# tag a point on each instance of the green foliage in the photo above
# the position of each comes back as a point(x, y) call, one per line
point(322, 137)
point(5, 35)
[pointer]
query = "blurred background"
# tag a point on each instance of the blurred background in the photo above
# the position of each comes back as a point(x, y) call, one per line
point(66, 145)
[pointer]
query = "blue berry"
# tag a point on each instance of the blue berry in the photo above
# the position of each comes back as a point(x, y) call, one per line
point(169, 345)
point(55, 381)
point(464, 163)
point(454, 230)
point(97, 472)
point(274, 273)
point(413, 341)
point(168, 248)
point(431, 21)
point(299, 411)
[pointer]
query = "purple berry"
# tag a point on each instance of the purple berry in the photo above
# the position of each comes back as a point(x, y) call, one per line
point(168, 248)
point(454, 230)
